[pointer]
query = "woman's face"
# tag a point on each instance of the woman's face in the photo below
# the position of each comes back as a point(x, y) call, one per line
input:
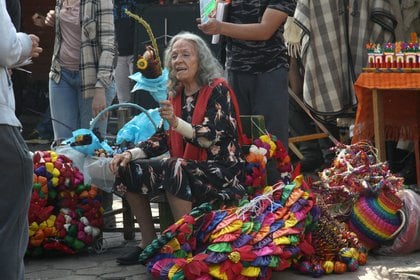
point(184, 59)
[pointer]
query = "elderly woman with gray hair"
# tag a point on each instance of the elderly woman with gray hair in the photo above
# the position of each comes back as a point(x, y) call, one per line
point(205, 160)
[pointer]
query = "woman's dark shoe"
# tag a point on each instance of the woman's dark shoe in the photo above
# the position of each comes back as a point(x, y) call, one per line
point(131, 257)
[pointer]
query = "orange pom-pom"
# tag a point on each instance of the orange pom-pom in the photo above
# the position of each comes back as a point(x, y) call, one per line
point(362, 259)
point(413, 37)
point(340, 267)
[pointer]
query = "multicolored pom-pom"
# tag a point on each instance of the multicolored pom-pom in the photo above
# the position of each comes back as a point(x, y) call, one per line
point(317, 270)
point(305, 267)
point(352, 265)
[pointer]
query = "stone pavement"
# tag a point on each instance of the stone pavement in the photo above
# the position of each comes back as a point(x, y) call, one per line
point(102, 265)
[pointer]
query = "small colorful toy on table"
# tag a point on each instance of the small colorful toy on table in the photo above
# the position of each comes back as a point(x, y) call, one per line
point(394, 57)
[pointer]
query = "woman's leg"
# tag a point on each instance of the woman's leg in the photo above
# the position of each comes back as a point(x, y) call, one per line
point(124, 84)
point(64, 106)
point(179, 207)
point(140, 206)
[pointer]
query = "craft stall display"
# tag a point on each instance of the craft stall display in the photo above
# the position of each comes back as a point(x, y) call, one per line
point(394, 57)
point(275, 228)
point(362, 192)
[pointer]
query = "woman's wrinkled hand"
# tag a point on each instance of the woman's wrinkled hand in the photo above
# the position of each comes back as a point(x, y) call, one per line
point(119, 160)
point(166, 111)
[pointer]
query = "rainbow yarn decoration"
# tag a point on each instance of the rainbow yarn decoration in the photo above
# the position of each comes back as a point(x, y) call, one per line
point(375, 219)
point(333, 245)
point(247, 242)
point(355, 172)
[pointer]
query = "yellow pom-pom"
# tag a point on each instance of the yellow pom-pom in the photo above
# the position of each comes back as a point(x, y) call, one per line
point(55, 172)
point(49, 166)
point(235, 257)
point(142, 63)
point(51, 221)
point(328, 267)
point(354, 253)
point(33, 228)
point(54, 181)
point(54, 156)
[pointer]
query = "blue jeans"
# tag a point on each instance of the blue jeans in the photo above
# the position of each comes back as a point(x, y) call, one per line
point(69, 110)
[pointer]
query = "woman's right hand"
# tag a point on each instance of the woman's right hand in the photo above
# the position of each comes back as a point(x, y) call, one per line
point(166, 111)
point(120, 160)
point(50, 18)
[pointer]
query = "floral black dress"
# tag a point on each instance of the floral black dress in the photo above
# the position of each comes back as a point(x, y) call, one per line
point(219, 177)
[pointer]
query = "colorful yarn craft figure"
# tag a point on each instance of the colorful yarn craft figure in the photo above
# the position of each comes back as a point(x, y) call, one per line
point(334, 245)
point(274, 228)
point(361, 191)
point(151, 76)
point(264, 148)
point(354, 172)
point(246, 242)
point(65, 215)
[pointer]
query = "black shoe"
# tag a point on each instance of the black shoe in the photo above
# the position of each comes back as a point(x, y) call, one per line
point(131, 258)
point(36, 138)
point(310, 164)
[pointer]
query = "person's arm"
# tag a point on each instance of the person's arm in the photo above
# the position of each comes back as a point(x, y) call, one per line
point(219, 120)
point(106, 41)
point(15, 47)
point(271, 20)
point(154, 146)
point(108, 52)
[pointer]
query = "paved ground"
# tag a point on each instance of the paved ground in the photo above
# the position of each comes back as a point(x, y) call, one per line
point(102, 265)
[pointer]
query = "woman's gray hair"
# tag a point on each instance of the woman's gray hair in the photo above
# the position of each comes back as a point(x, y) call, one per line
point(209, 67)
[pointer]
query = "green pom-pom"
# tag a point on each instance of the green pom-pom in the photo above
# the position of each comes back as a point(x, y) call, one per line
point(78, 245)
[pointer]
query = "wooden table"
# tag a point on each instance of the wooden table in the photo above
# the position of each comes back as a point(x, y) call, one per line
point(388, 109)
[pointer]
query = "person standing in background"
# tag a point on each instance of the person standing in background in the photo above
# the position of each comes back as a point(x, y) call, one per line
point(257, 62)
point(17, 168)
point(19, 78)
point(14, 10)
point(124, 33)
point(84, 56)
point(81, 81)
